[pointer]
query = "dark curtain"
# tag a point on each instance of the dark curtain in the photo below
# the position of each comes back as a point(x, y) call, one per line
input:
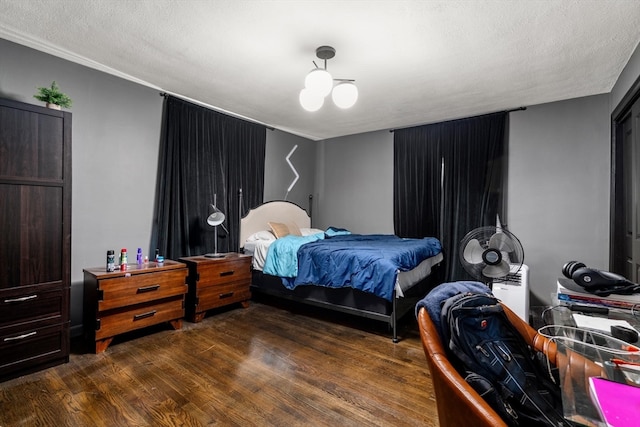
point(204, 153)
point(449, 178)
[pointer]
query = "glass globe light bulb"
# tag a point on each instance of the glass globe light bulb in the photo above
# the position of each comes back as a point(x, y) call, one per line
point(345, 94)
point(319, 81)
point(310, 101)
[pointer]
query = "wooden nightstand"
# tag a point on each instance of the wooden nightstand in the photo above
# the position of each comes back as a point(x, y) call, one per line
point(141, 296)
point(216, 282)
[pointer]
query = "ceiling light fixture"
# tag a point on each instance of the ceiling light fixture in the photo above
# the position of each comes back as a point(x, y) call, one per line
point(319, 83)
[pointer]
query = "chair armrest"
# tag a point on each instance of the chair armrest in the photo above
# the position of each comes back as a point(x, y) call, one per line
point(574, 369)
point(458, 403)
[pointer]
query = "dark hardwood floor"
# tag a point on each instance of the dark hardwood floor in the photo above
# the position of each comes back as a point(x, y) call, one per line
point(268, 364)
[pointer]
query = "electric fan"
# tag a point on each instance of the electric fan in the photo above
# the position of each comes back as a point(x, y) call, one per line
point(491, 253)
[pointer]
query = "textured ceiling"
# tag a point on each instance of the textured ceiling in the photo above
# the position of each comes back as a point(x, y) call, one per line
point(414, 62)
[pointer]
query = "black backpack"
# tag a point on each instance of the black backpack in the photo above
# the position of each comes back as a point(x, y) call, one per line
point(497, 362)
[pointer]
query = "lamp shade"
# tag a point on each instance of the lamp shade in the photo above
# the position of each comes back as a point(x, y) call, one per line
point(311, 101)
point(345, 94)
point(319, 82)
point(216, 217)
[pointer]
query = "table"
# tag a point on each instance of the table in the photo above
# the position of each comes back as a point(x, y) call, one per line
point(565, 325)
point(132, 298)
point(217, 282)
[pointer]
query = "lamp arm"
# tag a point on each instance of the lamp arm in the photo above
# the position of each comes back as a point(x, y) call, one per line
point(224, 228)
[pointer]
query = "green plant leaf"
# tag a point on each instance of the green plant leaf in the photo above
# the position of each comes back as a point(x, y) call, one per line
point(53, 95)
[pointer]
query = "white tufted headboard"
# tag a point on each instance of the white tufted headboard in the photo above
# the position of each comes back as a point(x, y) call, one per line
point(277, 211)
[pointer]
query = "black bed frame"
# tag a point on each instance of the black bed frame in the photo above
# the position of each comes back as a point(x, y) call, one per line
point(348, 300)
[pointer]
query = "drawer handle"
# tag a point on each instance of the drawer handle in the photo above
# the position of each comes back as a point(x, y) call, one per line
point(227, 295)
point(30, 297)
point(144, 315)
point(20, 337)
point(148, 288)
point(227, 273)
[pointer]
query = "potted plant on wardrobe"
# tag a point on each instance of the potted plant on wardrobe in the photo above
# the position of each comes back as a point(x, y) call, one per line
point(54, 98)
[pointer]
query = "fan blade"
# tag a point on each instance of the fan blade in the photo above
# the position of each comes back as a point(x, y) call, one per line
point(497, 271)
point(473, 252)
point(502, 242)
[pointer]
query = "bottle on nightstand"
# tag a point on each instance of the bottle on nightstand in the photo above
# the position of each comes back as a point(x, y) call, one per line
point(123, 259)
point(111, 261)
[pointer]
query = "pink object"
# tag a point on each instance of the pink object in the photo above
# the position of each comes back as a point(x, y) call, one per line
point(618, 403)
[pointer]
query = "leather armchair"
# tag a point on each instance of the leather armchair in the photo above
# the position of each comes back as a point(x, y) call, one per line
point(460, 405)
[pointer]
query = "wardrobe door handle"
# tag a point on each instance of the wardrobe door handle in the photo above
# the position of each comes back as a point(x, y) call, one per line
point(20, 337)
point(30, 297)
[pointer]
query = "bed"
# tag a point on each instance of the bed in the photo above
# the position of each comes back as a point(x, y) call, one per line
point(288, 263)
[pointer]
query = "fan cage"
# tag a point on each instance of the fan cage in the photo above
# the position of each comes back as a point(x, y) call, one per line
point(515, 257)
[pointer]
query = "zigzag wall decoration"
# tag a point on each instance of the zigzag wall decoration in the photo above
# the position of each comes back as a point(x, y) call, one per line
point(293, 169)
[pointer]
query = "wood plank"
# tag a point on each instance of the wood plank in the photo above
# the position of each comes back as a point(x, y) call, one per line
point(263, 365)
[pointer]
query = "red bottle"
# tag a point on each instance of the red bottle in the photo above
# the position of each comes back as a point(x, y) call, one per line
point(123, 259)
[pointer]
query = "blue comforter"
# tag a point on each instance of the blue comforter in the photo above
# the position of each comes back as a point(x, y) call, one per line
point(369, 263)
point(282, 256)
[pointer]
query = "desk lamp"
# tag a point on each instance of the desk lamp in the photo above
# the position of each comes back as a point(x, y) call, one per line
point(215, 218)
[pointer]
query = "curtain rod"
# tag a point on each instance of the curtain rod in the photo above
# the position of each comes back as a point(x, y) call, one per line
point(217, 110)
point(462, 118)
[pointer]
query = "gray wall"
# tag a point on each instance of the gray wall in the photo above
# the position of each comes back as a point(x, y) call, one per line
point(116, 131)
point(278, 174)
point(558, 185)
point(558, 195)
point(354, 184)
point(116, 136)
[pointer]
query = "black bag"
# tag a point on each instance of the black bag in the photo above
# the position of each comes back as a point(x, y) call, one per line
point(497, 362)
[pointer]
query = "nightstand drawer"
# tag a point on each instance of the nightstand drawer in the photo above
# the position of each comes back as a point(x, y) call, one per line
point(218, 296)
point(141, 288)
point(118, 322)
point(224, 271)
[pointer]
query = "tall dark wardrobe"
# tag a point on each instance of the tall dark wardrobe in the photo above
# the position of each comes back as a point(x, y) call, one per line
point(35, 237)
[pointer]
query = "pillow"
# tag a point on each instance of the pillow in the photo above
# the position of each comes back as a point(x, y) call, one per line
point(294, 229)
point(310, 231)
point(335, 231)
point(279, 229)
point(261, 235)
